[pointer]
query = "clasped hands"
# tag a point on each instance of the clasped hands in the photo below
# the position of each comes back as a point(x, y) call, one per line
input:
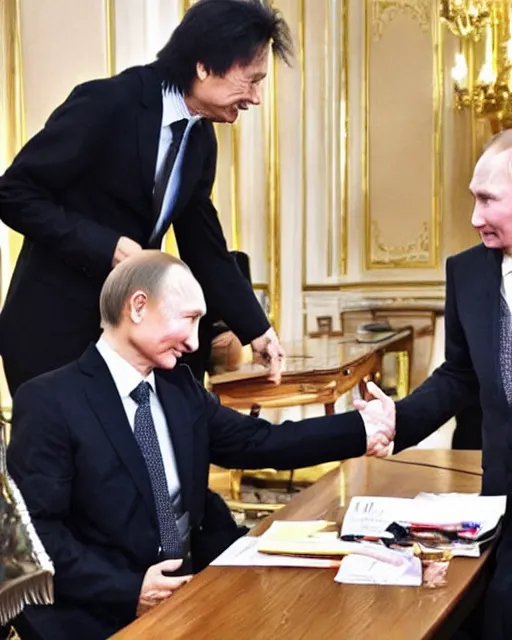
point(157, 586)
point(379, 419)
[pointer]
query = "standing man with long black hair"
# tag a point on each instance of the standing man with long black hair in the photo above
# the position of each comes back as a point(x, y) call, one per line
point(118, 163)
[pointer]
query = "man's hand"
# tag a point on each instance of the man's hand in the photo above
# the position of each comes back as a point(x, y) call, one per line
point(125, 248)
point(156, 587)
point(268, 349)
point(379, 421)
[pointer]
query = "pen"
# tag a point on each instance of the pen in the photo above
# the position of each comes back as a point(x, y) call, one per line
point(452, 526)
point(354, 537)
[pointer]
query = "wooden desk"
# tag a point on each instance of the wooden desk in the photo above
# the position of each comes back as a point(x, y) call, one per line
point(264, 603)
point(317, 371)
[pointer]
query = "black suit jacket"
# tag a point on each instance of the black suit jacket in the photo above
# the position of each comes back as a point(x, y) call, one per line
point(77, 186)
point(86, 486)
point(471, 367)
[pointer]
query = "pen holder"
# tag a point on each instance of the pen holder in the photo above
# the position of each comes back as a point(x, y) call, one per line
point(434, 564)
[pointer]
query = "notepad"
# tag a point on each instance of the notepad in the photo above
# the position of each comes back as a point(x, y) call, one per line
point(318, 538)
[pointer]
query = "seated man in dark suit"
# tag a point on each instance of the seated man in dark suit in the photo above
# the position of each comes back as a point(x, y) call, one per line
point(112, 453)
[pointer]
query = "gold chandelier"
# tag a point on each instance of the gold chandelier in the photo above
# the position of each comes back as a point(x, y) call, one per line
point(482, 73)
point(465, 17)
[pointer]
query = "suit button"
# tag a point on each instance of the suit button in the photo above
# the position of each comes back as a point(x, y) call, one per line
point(86, 271)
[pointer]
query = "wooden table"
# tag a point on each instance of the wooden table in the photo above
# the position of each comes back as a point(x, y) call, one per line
point(317, 371)
point(284, 603)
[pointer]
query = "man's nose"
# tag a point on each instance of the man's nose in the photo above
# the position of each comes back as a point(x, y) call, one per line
point(256, 94)
point(477, 220)
point(192, 342)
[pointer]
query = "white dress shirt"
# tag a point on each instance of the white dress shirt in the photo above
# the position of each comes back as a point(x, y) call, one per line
point(506, 279)
point(174, 108)
point(126, 378)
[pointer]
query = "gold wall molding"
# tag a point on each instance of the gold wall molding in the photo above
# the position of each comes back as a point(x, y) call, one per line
point(415, 253)
point(385, 11)
point(377, 285)
point(13, 123)
point(13, 111)
point(330, 78)
point(344, 105)
point(304, 190)
point(236, 240)
point(422, 251)
point(330, 143)
point(273, 199)
point(110, 25)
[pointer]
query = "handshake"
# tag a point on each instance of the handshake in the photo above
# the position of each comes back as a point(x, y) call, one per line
point(379, 421)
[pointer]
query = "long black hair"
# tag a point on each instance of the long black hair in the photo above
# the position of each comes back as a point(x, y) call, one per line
point(218, 34)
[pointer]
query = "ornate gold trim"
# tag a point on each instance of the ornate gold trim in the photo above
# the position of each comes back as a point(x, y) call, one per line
point(110, 25)
point(14, 127)
point(329, 106)
point(236, 242)
point(365, 156)
point(15, 101)
point(304, 192)
point(392, 260)
point(438, 193)
point(15, 110)
point(415, 252)
point(273, 195)
point(344, 100)
point(384, 11)
point(377, 285)
point(260, 286)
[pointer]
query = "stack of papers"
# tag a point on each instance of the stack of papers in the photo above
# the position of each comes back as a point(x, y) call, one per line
point(320, 544)
point(367, 515)
point(244, 553)
point(314, 544)
point(317, 538)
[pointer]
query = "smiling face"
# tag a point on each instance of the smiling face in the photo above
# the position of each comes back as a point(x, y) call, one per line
point(221, 98)
point(161, 329)
point(491, 187)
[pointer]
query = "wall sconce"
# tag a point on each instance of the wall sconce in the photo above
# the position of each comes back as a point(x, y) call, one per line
point(465, 18)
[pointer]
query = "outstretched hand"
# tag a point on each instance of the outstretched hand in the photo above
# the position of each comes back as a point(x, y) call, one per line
point(379, 417)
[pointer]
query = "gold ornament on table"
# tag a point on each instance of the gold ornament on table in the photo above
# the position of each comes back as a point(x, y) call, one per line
point(26, 571)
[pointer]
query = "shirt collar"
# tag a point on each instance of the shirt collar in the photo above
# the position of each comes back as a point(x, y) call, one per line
point(175, 108)
point(126, 377)
point(506, 265)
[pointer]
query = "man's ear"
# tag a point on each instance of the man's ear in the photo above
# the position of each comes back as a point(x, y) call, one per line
point(201, 71)
point(137, 306)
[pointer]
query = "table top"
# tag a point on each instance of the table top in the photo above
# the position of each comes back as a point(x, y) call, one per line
point(319, 355)
point(262, 603)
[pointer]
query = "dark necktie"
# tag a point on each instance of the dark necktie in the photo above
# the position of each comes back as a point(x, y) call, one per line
point(178, 129)
point(145, 434)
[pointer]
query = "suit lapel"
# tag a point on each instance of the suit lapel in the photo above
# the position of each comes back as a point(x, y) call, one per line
point(177, 414)
point(191, 168)
point(106, 403)
point(148, 128)
point(491, 317)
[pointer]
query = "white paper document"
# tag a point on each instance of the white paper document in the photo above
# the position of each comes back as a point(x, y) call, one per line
point(244, 553)
point(372, 515)
point(356, 569)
